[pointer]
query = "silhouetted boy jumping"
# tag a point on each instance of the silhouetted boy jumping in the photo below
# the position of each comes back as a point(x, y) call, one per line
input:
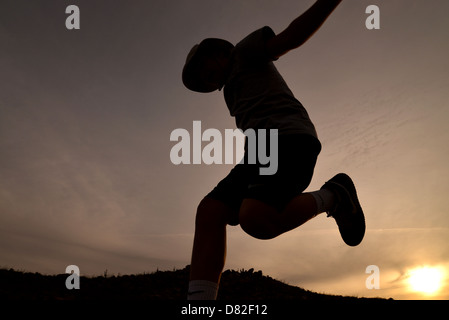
point(265, 206)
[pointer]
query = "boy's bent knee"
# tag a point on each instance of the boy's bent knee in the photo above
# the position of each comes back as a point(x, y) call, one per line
point(255, 220)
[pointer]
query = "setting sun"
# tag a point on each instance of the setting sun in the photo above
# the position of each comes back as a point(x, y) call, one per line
point(427, 280)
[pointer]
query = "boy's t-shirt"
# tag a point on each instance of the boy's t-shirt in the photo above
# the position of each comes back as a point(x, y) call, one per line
point(257, 95)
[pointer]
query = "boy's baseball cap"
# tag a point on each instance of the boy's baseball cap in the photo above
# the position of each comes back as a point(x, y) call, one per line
point(197, 55)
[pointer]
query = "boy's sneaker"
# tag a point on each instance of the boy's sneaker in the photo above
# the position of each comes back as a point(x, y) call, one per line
point(347, 213)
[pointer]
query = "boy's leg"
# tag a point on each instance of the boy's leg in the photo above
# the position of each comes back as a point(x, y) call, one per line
point(263, 221)
point(338, 197)
point(209, 249)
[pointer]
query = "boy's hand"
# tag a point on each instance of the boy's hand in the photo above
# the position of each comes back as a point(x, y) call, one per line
point(302, 28)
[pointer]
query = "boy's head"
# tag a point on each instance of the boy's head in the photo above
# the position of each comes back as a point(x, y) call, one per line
point(206, 67)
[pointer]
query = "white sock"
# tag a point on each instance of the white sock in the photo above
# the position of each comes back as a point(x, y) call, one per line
point(202, 290)
point(325, 200)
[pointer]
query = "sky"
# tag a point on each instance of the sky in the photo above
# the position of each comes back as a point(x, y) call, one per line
point(86, 116)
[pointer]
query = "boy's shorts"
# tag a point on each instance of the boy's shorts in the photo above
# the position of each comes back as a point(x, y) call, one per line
point(297, 155)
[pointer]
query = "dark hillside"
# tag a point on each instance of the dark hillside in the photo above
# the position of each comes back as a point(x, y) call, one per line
point(160, 285)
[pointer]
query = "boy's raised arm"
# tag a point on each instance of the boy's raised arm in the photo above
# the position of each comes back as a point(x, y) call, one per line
point(302, 28)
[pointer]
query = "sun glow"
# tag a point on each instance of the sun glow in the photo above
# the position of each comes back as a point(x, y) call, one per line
point(427, 280)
